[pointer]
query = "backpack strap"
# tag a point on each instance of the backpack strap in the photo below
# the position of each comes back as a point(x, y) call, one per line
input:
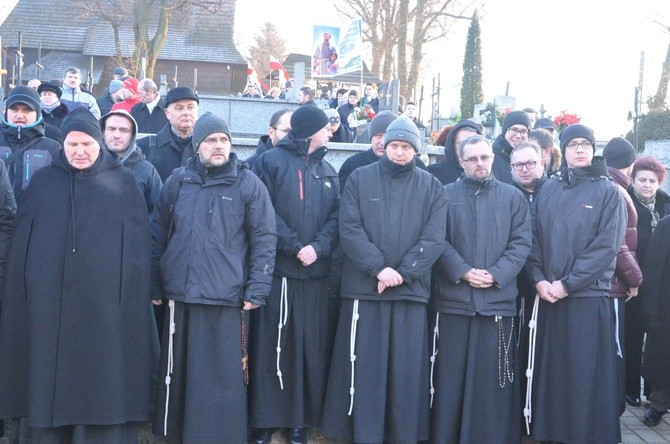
point(18, 153)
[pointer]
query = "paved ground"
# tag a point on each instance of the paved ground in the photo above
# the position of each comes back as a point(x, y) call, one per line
point(632, 431)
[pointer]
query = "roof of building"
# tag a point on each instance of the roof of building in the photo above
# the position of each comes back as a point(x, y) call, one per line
point(57, 28)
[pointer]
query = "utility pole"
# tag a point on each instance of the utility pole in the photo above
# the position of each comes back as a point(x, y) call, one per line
point(19, 60)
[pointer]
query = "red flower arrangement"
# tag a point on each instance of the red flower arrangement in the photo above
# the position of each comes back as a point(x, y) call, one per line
point(502, 114)
point(565, 119)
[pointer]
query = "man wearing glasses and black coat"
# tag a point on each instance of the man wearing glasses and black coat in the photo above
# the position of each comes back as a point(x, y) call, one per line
point(515, 128)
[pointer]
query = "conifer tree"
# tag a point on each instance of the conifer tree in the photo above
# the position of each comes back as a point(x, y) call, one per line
point(471, 86)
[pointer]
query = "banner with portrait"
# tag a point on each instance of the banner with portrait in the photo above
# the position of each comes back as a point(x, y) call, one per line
point(337, 50)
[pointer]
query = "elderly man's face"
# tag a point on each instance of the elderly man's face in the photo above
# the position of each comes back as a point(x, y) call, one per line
point(147, 96)
point(81, 150)
point(182, 115)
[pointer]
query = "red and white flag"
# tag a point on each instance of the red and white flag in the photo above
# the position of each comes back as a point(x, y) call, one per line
point(253, 77)
point(276, 65)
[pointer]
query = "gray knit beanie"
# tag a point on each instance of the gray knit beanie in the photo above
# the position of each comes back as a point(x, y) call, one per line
point(207, 124)
point(403, 129)
point(381, 122)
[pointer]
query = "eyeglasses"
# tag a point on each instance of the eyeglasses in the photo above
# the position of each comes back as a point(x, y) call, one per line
point(530, 165)
point(474, 159)
point(584, 144)
point(283, 130)
point(213, 140)
point(514, 131)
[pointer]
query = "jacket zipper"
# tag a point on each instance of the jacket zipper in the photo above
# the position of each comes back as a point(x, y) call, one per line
point(302, 196)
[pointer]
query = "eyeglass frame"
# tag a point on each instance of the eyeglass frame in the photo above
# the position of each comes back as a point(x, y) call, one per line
point(519, 165)
point(514, 131)
point(474, 159)
point(572, 145)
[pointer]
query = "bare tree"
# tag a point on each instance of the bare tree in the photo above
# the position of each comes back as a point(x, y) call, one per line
point(268, 43)
point(657, 102)
point(144, 14)
point(388, 29)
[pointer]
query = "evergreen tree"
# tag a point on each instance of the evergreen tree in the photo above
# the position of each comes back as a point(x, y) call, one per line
point(471, 86)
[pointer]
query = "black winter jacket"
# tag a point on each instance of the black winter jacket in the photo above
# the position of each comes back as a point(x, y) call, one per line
point(448, 170)
point(501, 162)
point(305, 193)
point(165, 151)
point(662, 207)
point(149, 123)
point(391, 216)
point(581, 222)
point(55, 116)
point(365, 158)
point(264, 144)
point(488, 227)
point(39, 154)
point(222, 246)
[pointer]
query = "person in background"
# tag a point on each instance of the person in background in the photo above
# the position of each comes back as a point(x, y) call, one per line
point(130, 95)
point(620, 157)
point(532, 115)
point(280, 125)
point(515, 128)
point(73, 96)
point(115, 93)
point(53, 111)
point(449, 170)
point(24, 147)
point(150, 112)
point(551, 154)
point(656, 315)
point(651, 204)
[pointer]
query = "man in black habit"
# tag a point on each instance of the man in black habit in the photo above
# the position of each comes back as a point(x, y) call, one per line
point(392, 226)
point(290, 351)
point(214, 237)
point(76, 330)
point(581, 222)
point(488, 240)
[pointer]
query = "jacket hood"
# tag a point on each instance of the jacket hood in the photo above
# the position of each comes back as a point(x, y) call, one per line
point(619, 178)
point(132, 147)
point(449, 153)
point(501, 146)
point(300, 147)
point(106, 160)
point(597, 169)
point(264, 144)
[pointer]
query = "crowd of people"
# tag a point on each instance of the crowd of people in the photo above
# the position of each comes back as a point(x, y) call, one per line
point(503, 291)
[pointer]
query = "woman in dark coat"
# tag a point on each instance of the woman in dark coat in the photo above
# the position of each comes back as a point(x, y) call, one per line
point(656, 312)
point(651, 204)
point(53, 111)
point(76, 322)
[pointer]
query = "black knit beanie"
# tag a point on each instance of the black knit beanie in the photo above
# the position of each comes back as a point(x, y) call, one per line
point(307, 121)
point(574, 131)
point(619, 153)
point(26, 95)
point(81, 119)
point(207, 124)
point(516, 118)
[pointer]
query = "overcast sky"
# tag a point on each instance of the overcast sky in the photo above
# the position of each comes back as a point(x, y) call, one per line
point(576, 55)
